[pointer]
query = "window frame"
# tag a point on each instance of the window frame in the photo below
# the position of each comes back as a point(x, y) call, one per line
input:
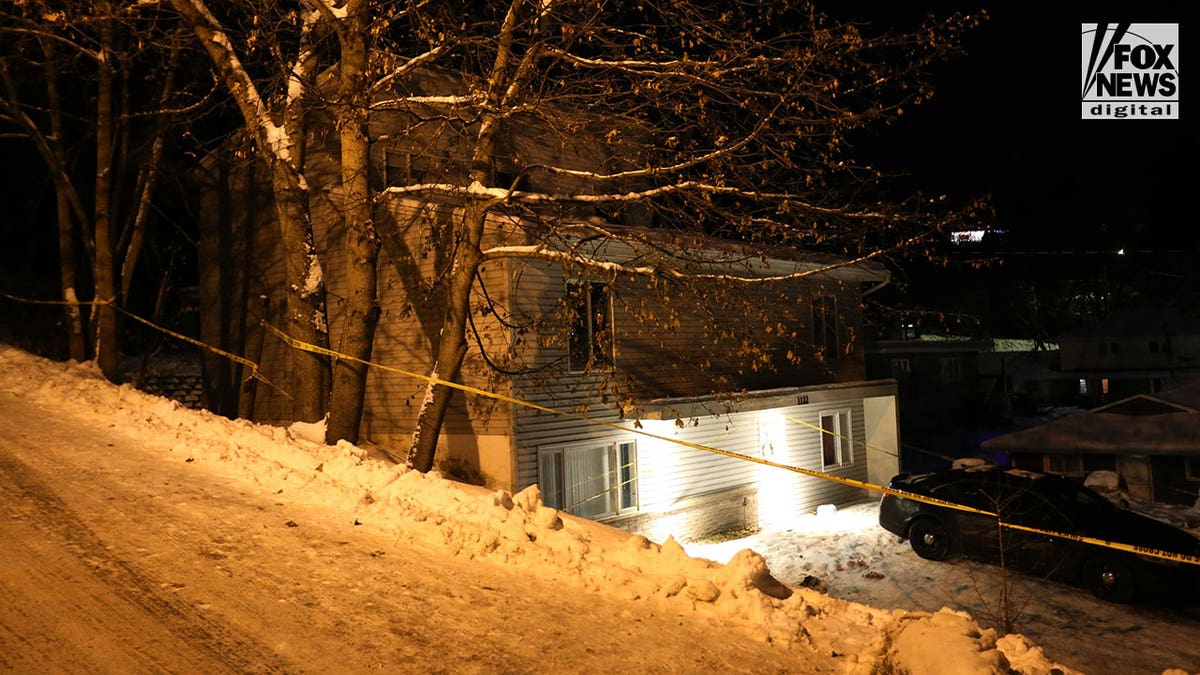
point(619, 490)
point(601, 356)
point(837, 439)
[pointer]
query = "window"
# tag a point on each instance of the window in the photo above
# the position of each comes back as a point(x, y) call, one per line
point(901, 368)
point(592, 481)
point(1112, 348)
point(1099, 463)
point(1064, 465)
point(836, 447)
point(825, 326)
point(428, 166)
point(1082, 386)
point(511, 178)
point(1155, 346)
point(1191, 468)
point(591, 339)
point(951, 369)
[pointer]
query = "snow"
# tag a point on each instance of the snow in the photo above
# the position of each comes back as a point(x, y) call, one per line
point(764, 603)
point(847, 555)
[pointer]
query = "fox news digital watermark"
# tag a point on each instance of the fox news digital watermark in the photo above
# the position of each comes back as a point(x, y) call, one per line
point(1130, 71)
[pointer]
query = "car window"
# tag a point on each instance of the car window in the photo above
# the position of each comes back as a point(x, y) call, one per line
point(968, 492)
point(1029, 507)
point(1079, 502)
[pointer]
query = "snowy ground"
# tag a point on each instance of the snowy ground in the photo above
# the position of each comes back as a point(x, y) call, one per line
point(142, 537)
point(848, 555)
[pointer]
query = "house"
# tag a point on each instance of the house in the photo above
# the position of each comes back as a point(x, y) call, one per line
point(1132, 352)
point(1152, 441)
point(632, 364)
point(953, 390)
point(937, 382)
point(1021, 378)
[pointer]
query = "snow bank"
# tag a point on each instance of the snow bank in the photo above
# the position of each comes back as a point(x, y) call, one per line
point(518, 529)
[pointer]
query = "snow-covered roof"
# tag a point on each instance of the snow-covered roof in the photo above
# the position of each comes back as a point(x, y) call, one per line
point(708, 253)
point(1138, 425)
point(686, 407)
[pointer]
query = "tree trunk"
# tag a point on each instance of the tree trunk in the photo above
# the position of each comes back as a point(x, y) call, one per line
point(452, 341)
point(305, 296)
point(105, 272)
point(76, 340)
point(148, 182)
point(361, 311)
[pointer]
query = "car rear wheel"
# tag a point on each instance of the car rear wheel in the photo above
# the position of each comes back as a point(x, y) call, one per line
point(1109, 578)
point(929, 539)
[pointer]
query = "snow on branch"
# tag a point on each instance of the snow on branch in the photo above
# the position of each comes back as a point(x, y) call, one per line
point(208, 29)
point(636, 65)
point(450, 101)
point(329, 9)
point(505, 195)
point(409, 66)
point(685, 186)
point(544, 252)
point(301, 69)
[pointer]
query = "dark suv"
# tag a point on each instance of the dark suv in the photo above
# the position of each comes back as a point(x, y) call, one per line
point(1046, 502)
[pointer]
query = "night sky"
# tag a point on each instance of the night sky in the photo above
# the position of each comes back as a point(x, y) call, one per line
point(1005, 121)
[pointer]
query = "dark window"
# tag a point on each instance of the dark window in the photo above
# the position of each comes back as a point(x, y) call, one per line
point(836, 447)
point(512, 179)
point(951, 369)
point(409, 168)
point(591, 339)
point(627, 474)
point(1099, 463)
point(825, 326)
point(1191, 468)
point(967, 493)
point(1065, 465)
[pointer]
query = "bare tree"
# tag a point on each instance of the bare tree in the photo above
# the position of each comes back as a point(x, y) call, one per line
point(729, 120)
point(50, 141)
point(88, 51)
point(276, 122)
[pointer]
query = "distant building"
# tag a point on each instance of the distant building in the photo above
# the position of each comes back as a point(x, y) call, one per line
point(954, 391)
point(1134, 352)
point(1152, 441)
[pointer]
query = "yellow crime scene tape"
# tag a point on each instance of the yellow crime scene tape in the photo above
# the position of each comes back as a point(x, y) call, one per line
point(255, 373)
point(636, 429)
